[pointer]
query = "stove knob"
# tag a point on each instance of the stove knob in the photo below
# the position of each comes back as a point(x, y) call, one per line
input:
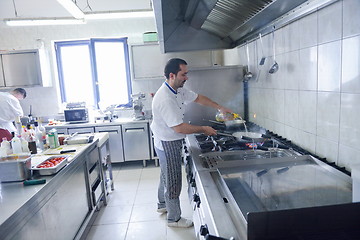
point(192, 182)
point(185, 149)
point(204, 230)
point(197, 200)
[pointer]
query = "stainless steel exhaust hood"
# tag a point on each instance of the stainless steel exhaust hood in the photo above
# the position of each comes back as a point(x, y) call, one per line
point(188, 25)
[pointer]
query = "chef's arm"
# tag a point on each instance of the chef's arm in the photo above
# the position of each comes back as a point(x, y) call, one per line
point(186, 128)
point(203, 100)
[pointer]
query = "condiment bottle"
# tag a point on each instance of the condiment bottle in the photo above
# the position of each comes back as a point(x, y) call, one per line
point(222, 117)
point(24, 145)
point(16, 145)
point(5, 144)
point(39, 137)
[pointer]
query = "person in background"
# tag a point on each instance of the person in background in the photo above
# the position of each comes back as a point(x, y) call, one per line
point(169, 130)
point(10, 108)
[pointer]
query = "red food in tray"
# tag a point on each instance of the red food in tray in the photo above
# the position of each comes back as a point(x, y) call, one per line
point(51, 162)
point(51, 165)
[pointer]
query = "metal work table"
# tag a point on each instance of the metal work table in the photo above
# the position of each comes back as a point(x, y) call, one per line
point(21, 206)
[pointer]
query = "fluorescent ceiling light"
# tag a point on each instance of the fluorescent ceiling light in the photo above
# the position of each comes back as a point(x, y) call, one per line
point(72, 8)
point(42, 22)
point(116, 15)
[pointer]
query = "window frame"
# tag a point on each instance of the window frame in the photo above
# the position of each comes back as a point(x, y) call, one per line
point(90, 43)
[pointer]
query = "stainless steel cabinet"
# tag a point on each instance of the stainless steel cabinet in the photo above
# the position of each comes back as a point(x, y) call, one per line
point(63, 213)
point(2, 80)
point(142, 68)
point(136, 141)
point(21, 69)
point(115, 142)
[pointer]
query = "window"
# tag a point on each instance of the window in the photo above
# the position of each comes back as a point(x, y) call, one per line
point(94, 71)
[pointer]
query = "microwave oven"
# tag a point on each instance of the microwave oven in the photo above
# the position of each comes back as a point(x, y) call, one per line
point(76, 115)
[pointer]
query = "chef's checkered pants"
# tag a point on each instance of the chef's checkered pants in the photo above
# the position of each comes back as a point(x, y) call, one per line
point(170, 178)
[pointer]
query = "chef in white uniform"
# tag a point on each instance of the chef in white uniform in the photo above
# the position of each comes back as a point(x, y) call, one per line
point(10, 108)
point(169, 130)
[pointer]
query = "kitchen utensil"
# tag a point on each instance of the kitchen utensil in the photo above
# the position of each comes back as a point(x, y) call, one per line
point(262, 60)
point(248, 135)
point(248, 75)
point(275, 67)
point(224, 134)
point(34, 182)
point(63, 149)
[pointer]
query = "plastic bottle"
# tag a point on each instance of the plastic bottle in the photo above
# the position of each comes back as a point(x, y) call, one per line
point(16, 145)
point(31, 139)
point(18, 125)
point(39, 137)
point(24, 133)
point(24, 145)
point(3, 151)
point(222, 117)
point(43, 132)
point(5, 144)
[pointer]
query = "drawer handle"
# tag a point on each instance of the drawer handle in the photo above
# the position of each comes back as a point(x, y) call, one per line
point(109, 131)
point(135, 130)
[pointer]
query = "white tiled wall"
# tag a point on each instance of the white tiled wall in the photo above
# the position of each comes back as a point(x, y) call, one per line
point(314, 98)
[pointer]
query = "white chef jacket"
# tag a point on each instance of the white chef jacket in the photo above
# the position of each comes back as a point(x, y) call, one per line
point(10, 108)
point(168, 109)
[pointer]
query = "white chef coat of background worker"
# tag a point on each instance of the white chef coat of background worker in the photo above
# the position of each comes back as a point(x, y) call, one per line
point(10, 108)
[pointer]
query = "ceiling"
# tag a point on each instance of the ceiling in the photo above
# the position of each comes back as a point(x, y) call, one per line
point(39, 9)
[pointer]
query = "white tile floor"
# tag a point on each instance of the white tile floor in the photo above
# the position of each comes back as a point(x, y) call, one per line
point(131, 211)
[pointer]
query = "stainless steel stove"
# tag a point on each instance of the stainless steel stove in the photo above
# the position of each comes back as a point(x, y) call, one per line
point(235, 185)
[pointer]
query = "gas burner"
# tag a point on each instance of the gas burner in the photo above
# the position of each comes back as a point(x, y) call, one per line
point(221, 143)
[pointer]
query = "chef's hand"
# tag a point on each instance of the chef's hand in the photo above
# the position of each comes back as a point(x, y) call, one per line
point(225, 110)
point(209, 131)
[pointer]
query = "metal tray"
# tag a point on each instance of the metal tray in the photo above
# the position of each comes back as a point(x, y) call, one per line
point(52, 170)
point(15, 168)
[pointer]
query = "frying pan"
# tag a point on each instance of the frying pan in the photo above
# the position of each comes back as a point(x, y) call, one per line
point(257, 137)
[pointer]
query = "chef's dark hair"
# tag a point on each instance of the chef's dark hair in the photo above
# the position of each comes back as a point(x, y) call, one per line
point(20, 91)
point(173, 66)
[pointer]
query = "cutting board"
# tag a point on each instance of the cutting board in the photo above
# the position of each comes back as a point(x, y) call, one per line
point(62, 148)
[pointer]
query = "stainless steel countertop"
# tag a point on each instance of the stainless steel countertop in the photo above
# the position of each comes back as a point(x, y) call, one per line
point(212, 188)
point(14, 195)
point(118, 121)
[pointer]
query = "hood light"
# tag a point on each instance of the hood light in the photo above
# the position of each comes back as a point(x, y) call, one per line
point(43, 22)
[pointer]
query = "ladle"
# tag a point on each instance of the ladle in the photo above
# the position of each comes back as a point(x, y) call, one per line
point(248, 75)
point(262, 60)
point(275, 67)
